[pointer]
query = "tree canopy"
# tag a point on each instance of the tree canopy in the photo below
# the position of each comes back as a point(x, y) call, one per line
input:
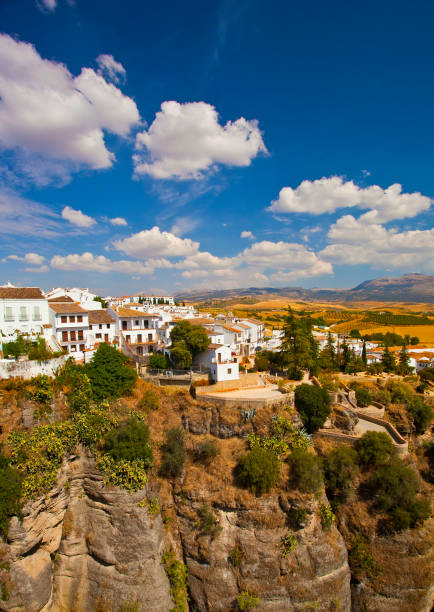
point(195, 337)
point(109, 373)
point(313, 404)
point(299, 348)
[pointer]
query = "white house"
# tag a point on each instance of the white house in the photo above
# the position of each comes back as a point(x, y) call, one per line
point(222, 365)
point(136, 331)
point(102, 328)
point(82, 296)
point(23, 310)
point(71, 324)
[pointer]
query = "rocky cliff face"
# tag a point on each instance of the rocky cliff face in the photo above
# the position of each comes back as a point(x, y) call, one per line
point(84, 547)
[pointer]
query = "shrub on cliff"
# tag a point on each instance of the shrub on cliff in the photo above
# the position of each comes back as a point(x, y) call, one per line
point(207, 450)
point(10, 493)
point(313, 404)
point(174, 453)
point(420, 412)
point(109, 373)
point(306, 471)
point(394, 488)
point(259, 469)
point(374, 448)
point(340, 470)
point(129, 441)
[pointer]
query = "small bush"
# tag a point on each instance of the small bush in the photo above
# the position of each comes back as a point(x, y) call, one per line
point(149, 401)
point(259, 469)
point(174, 453)
point(306, 471)
point(361, 558)
point(177, 573)
point(340, 470)
point(289, 543)
point(326, 515)
point(207, 523)
point(374, 448)
point(420, 412)
point(313, 404)
point(236, 556)
point(247, 601)
point(158, 361)
point(363, 397)
point(207, 450)
point(129, 441)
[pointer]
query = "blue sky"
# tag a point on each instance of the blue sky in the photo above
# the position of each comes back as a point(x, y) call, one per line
point(216, 144)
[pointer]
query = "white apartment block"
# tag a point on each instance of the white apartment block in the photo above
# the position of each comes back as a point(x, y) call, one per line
point(23, 310)
point(71, 323)
point(79, 295)
point(102, 328)
point(220, 361)
point(137, 332)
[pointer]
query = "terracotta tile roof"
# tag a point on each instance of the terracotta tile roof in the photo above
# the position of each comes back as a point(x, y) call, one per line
point(212, 347)
point(231, 329)
point(200, 321)
point(134, 314)
point(21, 293)
point(61, 298)
point(242, 326)
point(99, 316)
point(255, 321)
point(67, 308)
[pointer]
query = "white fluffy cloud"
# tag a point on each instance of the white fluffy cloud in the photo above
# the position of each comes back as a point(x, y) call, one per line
point(110, 68)
point(155, 243)
point(45, 110)
point(185, 140)
point(48, 5)
point(326, 195)
point(352, 242)
point(247, 234)
point(98, 263)
point(76, 217)
point(32, 259)
point(118, 221)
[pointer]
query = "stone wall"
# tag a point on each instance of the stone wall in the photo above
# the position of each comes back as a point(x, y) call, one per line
point(30, 369)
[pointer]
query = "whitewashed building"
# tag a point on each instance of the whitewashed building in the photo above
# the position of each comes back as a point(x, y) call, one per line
point(81, 296)
point(70, 323)
point(23, 310)
point(220, 361)
point(102, 328)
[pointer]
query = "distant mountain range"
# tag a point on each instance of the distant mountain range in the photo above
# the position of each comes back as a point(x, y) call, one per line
point(407, 288)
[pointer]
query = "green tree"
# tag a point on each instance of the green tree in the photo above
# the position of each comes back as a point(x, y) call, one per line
point(129, 441)
point(174, 453)
point(99, 299)
point(313, 405)
point(345, 356)
point(306, 470)
point(180, 355)
point(259, 469)
point(403, 366)
point(364, 358)
point(420, 412)
point(363, 397)
point(340, 470)
point(374, 448)
point(387, 360)
point(109, 373)
point(299, 348)
point(414, 340)
point(195, 337)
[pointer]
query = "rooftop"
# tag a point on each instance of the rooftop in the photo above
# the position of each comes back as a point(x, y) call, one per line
point(67, 308)
point(61, 298)
point(21, 293)
point(99, 316)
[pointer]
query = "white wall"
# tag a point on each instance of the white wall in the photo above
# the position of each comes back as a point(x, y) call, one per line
point(30, 369)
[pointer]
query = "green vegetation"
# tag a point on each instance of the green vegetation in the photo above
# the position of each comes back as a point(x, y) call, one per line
point(207, 522)
point(259, 469)
point(110, 374)
point(174, 453)
point(391, 339)
point(207, 450)
point(190, 338)
point(236, 556)
point(99, 299)
point(374, 448)
point(158, 361)
point(388, 318)
point(181, 356)
point(340, 471)
point(299, 350)
point(306, 471)
point(363, 397)
point(313, 405)
point(326, 515)
point(360, 558)
point(177, 573)
point(149, 401)
point(394, 488)
point(130, 441)
point(247, 601)
point(130, 475)
point(420, 412)
point(41, 390)
point(35, 350)
point(289, 543)
point(10, 493)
